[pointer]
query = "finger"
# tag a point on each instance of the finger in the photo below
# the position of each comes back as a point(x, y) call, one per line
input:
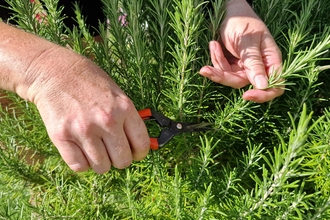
point(254, 66)
point(96, 154)
point(118, 148)
point(272, 56)
point(72, 155)
point(234, 80)
point(218, 58)
point(260, 96)
point(137, 135)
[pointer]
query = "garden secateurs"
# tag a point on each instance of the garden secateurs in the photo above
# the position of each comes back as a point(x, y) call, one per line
point(171, 128)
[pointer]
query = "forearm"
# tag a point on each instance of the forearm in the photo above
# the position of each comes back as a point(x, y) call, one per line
point(26, 60)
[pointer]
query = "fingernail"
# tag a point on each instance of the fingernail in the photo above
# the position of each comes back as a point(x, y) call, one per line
point(213, 44)
point(261, 82)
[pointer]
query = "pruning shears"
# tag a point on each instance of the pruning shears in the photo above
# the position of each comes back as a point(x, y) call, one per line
point(171, 128)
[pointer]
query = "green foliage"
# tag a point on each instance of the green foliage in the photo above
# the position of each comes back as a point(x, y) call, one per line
point(263, 161)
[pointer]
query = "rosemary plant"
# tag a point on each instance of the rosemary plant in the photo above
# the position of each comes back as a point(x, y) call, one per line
point(262, 161)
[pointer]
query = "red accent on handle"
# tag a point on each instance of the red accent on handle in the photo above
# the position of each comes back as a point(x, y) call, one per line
point(145, 113)
point(154, 144)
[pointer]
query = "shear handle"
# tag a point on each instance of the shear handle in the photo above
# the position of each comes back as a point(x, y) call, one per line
point(155, 143)
point(161, 119)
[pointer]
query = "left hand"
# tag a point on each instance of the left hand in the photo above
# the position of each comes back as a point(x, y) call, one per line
point(247, 54)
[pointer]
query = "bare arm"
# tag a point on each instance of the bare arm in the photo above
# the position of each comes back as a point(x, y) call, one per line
point(87, 116)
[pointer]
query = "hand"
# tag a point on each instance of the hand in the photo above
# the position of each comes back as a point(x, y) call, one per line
point(89, 119)
point(87, 116)
point(246, 54)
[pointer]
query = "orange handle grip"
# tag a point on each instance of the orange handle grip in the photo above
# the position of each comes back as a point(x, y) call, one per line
point(145, 113)
point(154, 144)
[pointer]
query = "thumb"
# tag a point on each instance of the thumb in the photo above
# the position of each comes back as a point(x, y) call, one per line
point(254, 67)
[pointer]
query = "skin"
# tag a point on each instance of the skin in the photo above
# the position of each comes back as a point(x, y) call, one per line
point(90, 120)
point(246, 53)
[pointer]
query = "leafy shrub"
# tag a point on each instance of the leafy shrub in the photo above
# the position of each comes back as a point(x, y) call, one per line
point(263, 161)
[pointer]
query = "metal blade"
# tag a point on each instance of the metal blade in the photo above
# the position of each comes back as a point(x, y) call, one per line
point(204, 126)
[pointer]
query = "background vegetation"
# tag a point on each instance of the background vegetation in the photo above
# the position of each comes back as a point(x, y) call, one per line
point(264, 161)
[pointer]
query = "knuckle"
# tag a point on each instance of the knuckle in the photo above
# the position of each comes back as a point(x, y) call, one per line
point(126, 104)
point(123, 164)
point(100, 163)
point(101, 169)
point(142, 150)
point(108, 119)
point(61, 133)
point(65, 131)
point(78, 167)
point(253, 62)
point(82, 128)
point(145, 146)
point(111, 117)
point(126, 100)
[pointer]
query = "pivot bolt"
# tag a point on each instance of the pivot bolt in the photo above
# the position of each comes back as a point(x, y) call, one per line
point(179, 126)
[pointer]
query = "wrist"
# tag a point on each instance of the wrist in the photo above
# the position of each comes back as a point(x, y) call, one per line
point(47, 71)
point(241, 8)
point(28, 62)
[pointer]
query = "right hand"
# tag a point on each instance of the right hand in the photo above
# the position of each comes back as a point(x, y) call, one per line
point(90, 120)
point(88, 117)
